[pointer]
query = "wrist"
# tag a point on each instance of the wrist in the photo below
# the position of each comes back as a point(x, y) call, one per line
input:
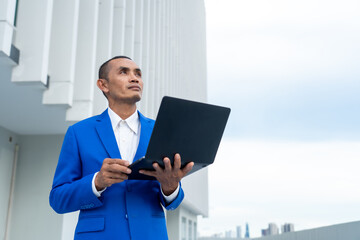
point(97, 186)
point(169, 189)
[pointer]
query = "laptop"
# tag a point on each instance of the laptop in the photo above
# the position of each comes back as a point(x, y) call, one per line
point(192, 129)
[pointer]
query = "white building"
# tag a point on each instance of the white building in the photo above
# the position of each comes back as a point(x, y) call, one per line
point(238, 232)
point(50, 51)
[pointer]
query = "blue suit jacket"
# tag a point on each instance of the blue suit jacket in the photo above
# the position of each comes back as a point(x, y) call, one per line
point(126, 210)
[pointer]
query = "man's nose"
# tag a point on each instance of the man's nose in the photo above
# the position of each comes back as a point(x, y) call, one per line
point(134, 77)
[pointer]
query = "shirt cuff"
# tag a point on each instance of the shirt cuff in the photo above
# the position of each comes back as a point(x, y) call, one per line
point(96, 192)
point(171, 197)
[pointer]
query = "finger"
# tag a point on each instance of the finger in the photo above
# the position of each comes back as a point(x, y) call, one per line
point(149, 173)
point(109, 161)
point(112, 181)
point(122, 162)
point(115, 176)
point(157, 167)
point(116, 161)
point(109, 180)
point(188, 168)
point(116, 168)
point(167, 164)
point(118, 178)
point(177, 161)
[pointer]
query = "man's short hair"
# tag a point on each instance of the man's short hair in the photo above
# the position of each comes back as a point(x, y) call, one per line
point(104, 68)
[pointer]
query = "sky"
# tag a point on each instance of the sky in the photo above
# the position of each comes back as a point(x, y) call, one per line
point(290, 72)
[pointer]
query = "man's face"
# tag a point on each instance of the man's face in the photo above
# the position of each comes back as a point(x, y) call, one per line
point(124, 83)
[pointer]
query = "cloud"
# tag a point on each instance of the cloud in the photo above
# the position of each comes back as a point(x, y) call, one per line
point(308, 184)
point(288, 70)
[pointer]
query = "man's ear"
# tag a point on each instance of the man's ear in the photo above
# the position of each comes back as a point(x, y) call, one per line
point(102, 85)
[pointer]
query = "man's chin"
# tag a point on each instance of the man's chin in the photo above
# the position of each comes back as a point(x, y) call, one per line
point(137, 97)
point(134, 99)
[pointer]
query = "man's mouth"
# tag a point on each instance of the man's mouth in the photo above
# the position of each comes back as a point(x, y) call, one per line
point(135, 87)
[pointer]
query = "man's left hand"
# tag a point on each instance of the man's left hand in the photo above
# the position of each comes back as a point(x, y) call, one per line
point(169, 177)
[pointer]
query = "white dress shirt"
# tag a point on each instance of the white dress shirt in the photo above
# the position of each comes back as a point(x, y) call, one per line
point(127, 134)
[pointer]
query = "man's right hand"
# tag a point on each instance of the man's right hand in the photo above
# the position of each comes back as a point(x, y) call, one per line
point(112, 171)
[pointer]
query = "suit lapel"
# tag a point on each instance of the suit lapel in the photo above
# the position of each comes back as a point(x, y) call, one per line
point(106, 135)
point(145, 134)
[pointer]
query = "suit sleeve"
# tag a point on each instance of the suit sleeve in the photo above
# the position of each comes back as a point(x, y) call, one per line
point(175, 203)
point(71, 191)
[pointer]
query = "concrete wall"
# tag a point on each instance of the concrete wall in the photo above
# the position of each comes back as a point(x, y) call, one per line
point(32, 217)
point(8, 141)
point(180, 230)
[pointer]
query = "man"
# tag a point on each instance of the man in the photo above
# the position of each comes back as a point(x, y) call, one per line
point(93, 166)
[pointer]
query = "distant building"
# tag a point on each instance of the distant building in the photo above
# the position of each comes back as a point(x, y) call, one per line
point(247, 233)
point(238, 232)
point(287, 227)
point(271, 230)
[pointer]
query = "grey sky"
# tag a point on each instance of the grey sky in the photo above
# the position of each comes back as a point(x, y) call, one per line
point(290, 71)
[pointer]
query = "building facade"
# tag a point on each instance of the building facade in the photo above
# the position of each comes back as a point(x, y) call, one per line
point(50, 51)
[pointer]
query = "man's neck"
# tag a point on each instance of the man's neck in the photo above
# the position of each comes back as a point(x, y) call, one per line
point(123, 110)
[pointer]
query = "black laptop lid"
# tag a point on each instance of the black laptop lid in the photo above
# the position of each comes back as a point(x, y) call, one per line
point(192, 129)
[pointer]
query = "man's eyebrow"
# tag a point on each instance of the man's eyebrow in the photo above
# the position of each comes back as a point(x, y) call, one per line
point(127, 69)
point(123, 68)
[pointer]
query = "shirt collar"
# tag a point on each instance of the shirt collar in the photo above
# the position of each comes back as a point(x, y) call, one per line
point(133, 121)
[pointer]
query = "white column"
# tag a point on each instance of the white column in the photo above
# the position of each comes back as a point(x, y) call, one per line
point(162, 48)
point(129, 28)
point(144, 106)
point(104, 48)
point(138, 39)
point(119, 27)
point(178, 68)
point(152, 60)
point(167, 79)
point(7, 14)
point(138, 32)
point(157, 79)
point(172, 47)
point(85, 62)
point(33, 41)
point(62, 52)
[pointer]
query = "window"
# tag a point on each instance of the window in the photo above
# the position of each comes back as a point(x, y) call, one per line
point(183, 228)
point(16, 12)
point(195, 231)
point(190, 233)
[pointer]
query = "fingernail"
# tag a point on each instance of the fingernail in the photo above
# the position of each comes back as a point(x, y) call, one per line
point(128, 170)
